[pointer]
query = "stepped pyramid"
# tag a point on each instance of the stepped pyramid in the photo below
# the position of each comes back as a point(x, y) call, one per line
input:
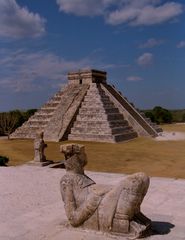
point(88, 109)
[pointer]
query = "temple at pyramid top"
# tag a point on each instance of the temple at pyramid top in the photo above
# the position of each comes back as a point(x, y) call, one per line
point(87, 108)
point(87, 77)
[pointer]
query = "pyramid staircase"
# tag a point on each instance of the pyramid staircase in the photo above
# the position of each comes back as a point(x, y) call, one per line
point(137, 119)
point(100, 120)
point(154, 125)
point(88, 109)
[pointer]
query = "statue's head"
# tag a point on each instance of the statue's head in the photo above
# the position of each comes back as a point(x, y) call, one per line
point(40, 134)
point(75, 157)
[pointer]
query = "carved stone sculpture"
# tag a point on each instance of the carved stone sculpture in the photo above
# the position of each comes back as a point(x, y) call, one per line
point(113, 209)
point(39, 146)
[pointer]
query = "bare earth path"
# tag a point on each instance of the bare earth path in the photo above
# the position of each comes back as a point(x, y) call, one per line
point(31, 207)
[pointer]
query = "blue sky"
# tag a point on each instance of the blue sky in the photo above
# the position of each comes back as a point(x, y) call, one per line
point(140, 43)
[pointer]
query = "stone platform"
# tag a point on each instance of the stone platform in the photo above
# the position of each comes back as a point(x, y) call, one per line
point(31, 206)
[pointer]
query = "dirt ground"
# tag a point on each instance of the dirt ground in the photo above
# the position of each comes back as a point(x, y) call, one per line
point(31, 206)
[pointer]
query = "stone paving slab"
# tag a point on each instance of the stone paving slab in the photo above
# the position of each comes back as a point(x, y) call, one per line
point(31, 207)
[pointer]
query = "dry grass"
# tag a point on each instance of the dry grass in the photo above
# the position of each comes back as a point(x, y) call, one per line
point(156, 158)
point(179, 127)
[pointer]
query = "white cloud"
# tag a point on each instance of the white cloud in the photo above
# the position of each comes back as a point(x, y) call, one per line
point(113, 66)
point(23, 71)
point(151, 42)
point(18, 22)
point(145, 12)
point(181, 44)
point(145, 59)
point(132, 12)
point(134, 78)
point(83, 7)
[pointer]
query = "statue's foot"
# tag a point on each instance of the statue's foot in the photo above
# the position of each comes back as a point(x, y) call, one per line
point(140, 226)
point(137, 230)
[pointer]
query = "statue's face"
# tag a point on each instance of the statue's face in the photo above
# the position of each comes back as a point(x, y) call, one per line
point(76, 162)
point(40, 135)
point(83, 157)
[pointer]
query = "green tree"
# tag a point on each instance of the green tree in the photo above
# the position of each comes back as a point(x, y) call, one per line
point(8, 122)
point(27, 114)
point(162, 115)
point(183, 117)
point(149, 114)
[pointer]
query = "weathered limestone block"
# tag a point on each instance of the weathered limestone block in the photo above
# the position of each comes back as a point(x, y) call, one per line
point(39, 146)
point(100, 207)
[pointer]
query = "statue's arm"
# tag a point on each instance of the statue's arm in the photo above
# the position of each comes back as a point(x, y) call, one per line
point(78, 215)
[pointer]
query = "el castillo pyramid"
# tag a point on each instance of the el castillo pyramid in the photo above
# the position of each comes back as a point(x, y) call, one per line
point(88, 109)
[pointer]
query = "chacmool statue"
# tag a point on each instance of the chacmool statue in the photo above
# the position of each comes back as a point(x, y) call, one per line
point(39, 146)
point(113, 209)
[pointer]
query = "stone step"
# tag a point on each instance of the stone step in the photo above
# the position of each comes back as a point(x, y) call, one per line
point(101, 123)
point(118, 123)
point(158, 129)
point(43, 115)
point(89, 97)
point(93, 101)
point(152, 124)
point(98, 124)
point(97, 100)
point(97, 110)
point(56, 98)
point(38, 118)
point(44, 112)
point(30, 128)
point(48, 108)
point(96, 92)
point(99, 117)
point(91, 137)
point(125, 137)
point(36, 123)
point(59, 94)
point(50, 105)
point(99, 104)
point(54, 102)
point(26, 132)
point(96, 130)
point(103, 137)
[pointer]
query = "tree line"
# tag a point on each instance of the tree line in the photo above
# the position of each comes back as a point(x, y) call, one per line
point(11, 120)
point(161, 115)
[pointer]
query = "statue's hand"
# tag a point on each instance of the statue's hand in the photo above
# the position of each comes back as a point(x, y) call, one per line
point(67, 191)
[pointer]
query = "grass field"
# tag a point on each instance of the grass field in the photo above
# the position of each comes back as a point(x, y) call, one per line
point(179, 127)
point(156, 158)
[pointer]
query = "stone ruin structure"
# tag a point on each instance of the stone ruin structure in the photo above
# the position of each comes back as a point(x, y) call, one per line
point(112, 209)
point(88, 109)
point(39, 147)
